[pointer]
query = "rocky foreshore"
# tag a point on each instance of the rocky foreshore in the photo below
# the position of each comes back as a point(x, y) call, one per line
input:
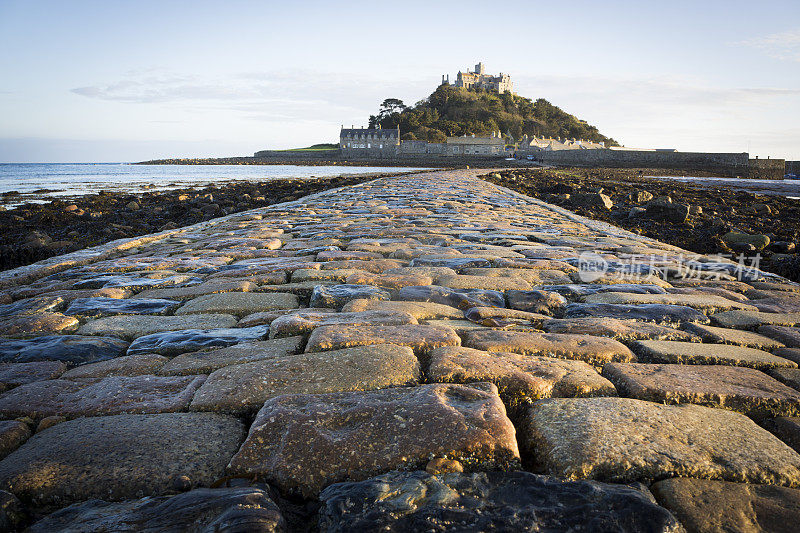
point(34, 231)
point(429, 352)
point(707, 218)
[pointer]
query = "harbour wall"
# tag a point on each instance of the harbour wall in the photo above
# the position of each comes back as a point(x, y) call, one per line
point(729, 164)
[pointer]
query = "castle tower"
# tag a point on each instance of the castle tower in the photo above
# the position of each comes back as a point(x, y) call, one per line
point(480, 69)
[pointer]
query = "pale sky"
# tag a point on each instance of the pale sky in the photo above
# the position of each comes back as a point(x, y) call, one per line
point(113, 80)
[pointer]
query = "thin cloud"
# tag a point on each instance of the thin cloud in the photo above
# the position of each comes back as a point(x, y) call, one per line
point(673, 112)
point(782, 45)
point(265, 96)
point(649, 93)
point(771, 91)
point(157, 90)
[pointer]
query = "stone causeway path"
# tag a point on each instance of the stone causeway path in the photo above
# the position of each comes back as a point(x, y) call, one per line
point(420, 353)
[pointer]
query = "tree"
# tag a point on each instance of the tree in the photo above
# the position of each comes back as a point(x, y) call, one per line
point(389, 107)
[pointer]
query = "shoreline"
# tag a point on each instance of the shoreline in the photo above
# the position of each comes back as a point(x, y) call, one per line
point(43, 182)
point(333, 159)
point(31, 232)
point(715, 210)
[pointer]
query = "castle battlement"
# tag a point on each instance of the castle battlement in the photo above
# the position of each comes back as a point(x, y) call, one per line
point(480, 80)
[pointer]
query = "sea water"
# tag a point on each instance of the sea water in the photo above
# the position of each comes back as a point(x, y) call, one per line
point(790, 188)
point(45, 181)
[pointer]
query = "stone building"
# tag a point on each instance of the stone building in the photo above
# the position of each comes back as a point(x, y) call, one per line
point(374, 143)
point(549, 144)
point(471, 145)
point(480, 80)
point(411, 148)
point(377, 143)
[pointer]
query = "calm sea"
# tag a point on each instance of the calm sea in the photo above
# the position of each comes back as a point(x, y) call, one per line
point(789, 188)
point(43, 182)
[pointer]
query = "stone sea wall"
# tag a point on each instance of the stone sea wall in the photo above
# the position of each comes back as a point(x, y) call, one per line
point(729, 164)
point(420, 153)
point(414, 353)
point(770, 169)
point(299, 155)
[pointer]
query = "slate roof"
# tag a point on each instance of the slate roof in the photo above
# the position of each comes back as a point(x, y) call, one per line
point(367, 131)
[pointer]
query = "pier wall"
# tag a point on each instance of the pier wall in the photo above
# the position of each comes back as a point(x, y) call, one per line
point(768, 169)
point(730, 164)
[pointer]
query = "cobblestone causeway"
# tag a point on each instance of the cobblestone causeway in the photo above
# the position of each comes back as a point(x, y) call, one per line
point(427, 352)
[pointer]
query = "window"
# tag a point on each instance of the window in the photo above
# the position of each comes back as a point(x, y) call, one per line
point(381, 146)
point(369, 145)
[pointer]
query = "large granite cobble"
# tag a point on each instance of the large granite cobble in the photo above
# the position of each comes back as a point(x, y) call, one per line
point(304, 442)
point(621, 330)
point(238, 303)
point(113, 395)
point(626, 440)
point(420, 338)
point(300, 322)
point(12, 434)
point(131, 327)
point(709, 506)
point(741, 389)
point(739, 337)
point(222, 509)
point(695, 353)
point(120, 457)
point(245, 387)
point(207, 361)
point(171, 343)
point(129, 365)
point(16, 374)
point(593, 350)
point(519, 378)
point(69, 349)
point(493, 501)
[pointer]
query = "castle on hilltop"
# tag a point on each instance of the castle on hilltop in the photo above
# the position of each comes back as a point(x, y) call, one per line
point(480, 80)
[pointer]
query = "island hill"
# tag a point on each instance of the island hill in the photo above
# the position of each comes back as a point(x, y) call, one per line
point(478, 115)
point(479, 112)
point(452, 111)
